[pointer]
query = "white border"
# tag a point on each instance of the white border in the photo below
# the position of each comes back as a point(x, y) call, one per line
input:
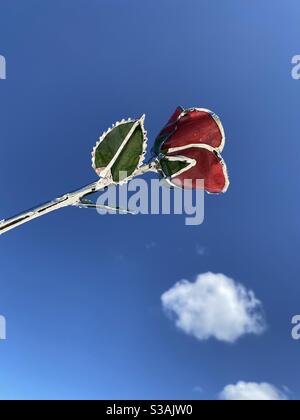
point(191, 163)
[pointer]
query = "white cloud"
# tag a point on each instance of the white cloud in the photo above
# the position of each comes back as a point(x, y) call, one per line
point(214, 306)
point(251, 391)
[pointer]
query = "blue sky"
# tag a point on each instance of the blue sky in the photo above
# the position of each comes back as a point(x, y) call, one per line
point(81, 292)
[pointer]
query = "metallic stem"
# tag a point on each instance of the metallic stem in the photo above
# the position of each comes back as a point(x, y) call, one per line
point(70, 199)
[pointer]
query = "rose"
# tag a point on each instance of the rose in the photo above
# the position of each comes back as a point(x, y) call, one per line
point(189, 147)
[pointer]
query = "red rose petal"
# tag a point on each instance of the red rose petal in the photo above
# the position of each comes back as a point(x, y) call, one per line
point(170, 126)
point(197, 127)
point(179, 110)
point(210, 167)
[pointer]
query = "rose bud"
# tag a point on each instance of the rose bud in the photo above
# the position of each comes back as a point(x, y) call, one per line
point(188, 149)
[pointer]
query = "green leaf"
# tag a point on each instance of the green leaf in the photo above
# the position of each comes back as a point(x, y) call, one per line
point(121, 150)
point(110, 144)
point(171, 167)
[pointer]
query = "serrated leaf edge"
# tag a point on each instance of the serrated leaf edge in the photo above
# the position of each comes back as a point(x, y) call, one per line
point(143, 154)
